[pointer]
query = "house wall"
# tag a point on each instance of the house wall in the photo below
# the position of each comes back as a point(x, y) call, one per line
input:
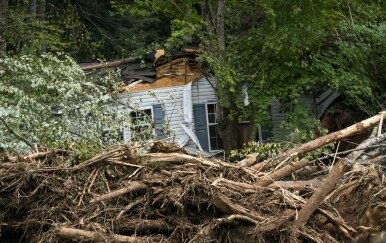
point(172, 98)
point(278, 116)
point(202, 92)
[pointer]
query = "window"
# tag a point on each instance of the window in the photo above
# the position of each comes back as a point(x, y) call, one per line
point(215, 141)
point(141, 128)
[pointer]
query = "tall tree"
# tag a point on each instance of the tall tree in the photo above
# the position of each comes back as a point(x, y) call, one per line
point(279, 49)
point(3, 8)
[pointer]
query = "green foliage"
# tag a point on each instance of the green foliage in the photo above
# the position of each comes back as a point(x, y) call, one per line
point(26, 34)
point(87, 31)
point(261, 150)
point(302, 123)
point(183, 33)
point(302, 127)
point(35, 88)
point(353, 65)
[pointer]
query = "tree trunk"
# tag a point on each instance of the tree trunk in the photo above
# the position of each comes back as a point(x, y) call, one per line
point(229, 131)
point(332, 179)
point(220, 28)
point(206, 12)
point(42, 17)
point(32, 6)
point(3, 8)
point(332, 137)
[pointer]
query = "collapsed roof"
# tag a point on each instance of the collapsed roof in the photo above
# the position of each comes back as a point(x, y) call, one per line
point(156, 65)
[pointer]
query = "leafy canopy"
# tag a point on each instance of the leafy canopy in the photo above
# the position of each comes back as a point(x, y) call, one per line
point(47, 101)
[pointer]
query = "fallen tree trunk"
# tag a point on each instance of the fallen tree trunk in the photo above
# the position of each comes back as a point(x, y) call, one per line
point(283, 172)
point(332, 137)
point(80, 235)
point(107, 64)
point(321, 193)
point(331, 180)
point(132, 187)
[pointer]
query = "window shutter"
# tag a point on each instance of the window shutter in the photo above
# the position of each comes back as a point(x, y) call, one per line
point(159, 114)
point(200, 125)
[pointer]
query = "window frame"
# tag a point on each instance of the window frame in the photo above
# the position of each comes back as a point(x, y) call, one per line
point(212, 124)
point(133, 126)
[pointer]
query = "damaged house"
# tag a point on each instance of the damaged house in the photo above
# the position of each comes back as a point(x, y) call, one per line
point(172, 97)
point(174, 93)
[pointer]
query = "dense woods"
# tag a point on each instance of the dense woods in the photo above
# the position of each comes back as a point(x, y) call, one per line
point(61, 82)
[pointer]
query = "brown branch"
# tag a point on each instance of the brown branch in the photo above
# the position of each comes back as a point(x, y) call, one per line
point(132, 187)
point(283, 172)
point(327, 139)
point(107, 64)
point(225, 205)
point(130, 206)
point(96, 159)
point(81, 235)
point(331, 180)
point(175, 158)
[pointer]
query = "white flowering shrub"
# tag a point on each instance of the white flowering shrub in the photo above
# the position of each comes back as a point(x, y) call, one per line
point(47, 101)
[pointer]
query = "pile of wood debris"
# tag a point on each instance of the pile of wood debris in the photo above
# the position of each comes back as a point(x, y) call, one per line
point(169, 196)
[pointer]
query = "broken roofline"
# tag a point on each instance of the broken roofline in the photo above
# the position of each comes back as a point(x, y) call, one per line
point(178, 70)
point(157, 55)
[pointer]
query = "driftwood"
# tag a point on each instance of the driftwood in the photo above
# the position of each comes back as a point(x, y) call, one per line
point(331, 180)
point(327, 139)
point(132, 187)
point(80, 235)
point(283, 172)
point(169, 196)
point(98, 158)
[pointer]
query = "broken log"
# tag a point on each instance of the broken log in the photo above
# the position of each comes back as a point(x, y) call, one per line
point(321, 193)
point(225, 205)
point(107, 64)
point(175, 158)
point(81, 235)
point(331, 180)
point(327, 139)
point(132, 187)
point(296, 185)
point(283, 172)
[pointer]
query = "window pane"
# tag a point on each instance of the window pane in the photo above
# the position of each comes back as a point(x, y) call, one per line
point(213, 144)
point(213, 131)
point(211, 108)
point(212, 118)
point(147, 111)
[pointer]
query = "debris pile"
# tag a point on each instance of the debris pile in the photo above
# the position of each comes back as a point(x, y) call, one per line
point(170, 196)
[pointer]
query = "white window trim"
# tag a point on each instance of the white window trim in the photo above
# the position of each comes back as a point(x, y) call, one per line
point(139, 109)
point(207, 123)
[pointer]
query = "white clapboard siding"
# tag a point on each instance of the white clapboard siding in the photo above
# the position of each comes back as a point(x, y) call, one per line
point(202, 92)
point(170, 98)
